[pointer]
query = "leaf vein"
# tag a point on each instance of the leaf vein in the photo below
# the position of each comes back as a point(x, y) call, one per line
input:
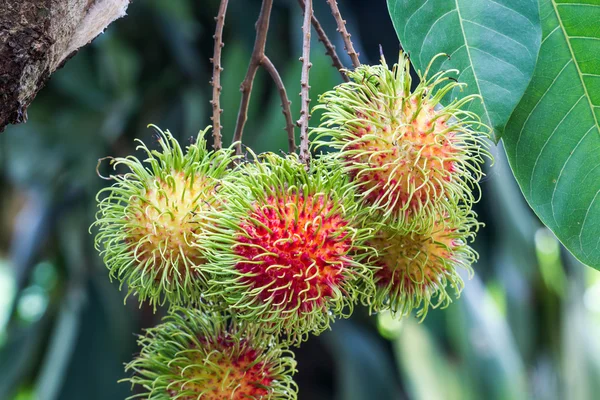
point(495, 84)
point(533, 110)
point(585, 220)
point(462, 28)
point(560, 174)
point(429, 32)
point(500, 33)
point(589, 99)
point(576, 4)
point(550, 34)
point(412, 15)
point(513, 10)
point(499, 59)
point(442, 66)
point(584, 37)
point(546, 143)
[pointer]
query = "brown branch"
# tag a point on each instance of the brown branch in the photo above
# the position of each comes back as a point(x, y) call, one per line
point(258, 55)
point(285, 102)
point(329, 47)
point(341, 28)
point(37, 38)
point(216, 78)
point(304, 86)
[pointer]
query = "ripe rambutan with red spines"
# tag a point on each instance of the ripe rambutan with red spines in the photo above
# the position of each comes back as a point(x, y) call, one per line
point(416, 268)
point(147, 219)
point(193, 355)
point(286, 250)
point(409, 158)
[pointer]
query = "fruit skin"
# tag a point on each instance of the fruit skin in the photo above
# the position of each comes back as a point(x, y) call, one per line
point(287, 248)
point(416, 268)
point(194, 355)
point(147, 218)
point(410, 158)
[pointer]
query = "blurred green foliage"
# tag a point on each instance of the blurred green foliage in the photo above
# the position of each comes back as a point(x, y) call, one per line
point(524, 328)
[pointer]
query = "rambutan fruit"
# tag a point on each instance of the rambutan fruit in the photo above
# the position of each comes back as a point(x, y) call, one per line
point(147, 219)
point(193, 355)
point(416, 268)
point(284, 250)
point(409, 157)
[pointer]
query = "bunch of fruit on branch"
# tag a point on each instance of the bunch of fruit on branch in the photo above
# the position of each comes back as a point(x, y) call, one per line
point(253, 254)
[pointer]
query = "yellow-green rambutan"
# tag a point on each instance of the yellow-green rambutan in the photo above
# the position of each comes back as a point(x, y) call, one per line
point(415, 269)
point(148, 218)
point(284, 250)
point(193, 355)
point(410, 158)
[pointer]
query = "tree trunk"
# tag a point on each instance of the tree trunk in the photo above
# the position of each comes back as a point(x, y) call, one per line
point(39, 36)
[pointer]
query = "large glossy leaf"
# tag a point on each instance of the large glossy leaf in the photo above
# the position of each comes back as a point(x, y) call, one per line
point(553, 138)
point(493, 43)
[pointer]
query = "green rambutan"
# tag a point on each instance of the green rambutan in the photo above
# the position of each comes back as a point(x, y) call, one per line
point(193, 355)
point(415, 268)
point(147, 219)
point(284, 250)
point(409, 158)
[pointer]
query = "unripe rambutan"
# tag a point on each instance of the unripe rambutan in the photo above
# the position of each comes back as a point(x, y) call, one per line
point(285, 247)
point(147, 218)
point(416, 268)
point(192, 356)
point(409, 158)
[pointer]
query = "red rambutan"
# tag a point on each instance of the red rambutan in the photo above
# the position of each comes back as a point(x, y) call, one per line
point(409, 158)
point(192, 356)
point(284, 248)
point(416, 268)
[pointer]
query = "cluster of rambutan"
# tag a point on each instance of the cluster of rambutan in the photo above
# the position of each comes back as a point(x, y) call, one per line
point(254, 255)
point(414, 165)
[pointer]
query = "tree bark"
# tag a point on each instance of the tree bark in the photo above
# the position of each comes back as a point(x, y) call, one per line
point(37, 37)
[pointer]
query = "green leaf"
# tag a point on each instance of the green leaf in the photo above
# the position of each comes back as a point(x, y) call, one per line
point(493, 43)
point(427, 372)
point(552, 139)
point(364, 369)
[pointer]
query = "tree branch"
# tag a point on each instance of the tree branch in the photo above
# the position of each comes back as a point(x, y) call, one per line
point(216, 78)
point(285, 102)
point(329, 47)
point(37, 38)
point(341, 28)
point(258, 54)
point(304, 86)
